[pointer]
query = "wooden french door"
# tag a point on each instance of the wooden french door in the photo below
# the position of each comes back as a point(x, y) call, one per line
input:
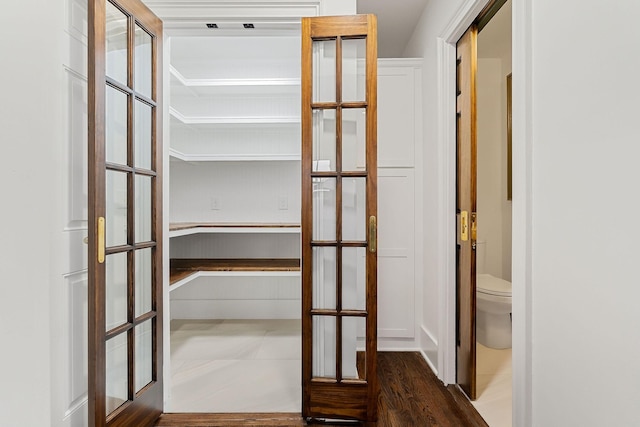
point(125, 238)
point(339, 209)
point(466, 211)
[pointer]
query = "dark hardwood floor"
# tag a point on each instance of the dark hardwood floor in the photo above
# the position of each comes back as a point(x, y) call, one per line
point(410, 395)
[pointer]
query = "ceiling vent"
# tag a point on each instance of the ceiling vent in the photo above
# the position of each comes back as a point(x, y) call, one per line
point(212, 25)
point(248, 25)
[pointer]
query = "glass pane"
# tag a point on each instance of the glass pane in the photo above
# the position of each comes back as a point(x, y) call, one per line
point(324, 277)
point(324, 209)
point(143, 208)
point(324, 347)
point(142, 142)
point(324, 140)
point(354, 70)
point(143, 62)
point(116, 209)
point(116, 44)
point(117, 385)
point(353, 351)
point(143, 281)
point(116, 290)
point(324, 71)
point(354, 134)
point(116, 126)
point(354, 278)
point(144, 354)
point(354, 204)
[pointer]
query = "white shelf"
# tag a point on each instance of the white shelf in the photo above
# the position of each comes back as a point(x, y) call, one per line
point(232, 157)
point(279, 83)
point(197, 274)
point(211, 120)
point(186, 229)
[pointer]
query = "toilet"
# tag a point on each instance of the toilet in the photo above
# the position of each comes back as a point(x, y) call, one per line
point(493, 307)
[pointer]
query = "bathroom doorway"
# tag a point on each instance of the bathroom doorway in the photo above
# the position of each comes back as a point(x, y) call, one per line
point(484, 215)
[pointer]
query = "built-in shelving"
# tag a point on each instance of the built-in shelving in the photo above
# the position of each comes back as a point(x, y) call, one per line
point(234, 119)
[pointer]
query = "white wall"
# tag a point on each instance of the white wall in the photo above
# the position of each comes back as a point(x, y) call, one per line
point(584, 178)
point(30, 133)
point(494, 210)
point(423, 45)
point(491, 190)
point(575, 177)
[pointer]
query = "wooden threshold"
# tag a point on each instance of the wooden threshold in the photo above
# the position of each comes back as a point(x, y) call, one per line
point(181, 268)
point(219, 420)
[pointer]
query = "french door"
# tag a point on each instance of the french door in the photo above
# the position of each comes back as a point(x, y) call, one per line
point(466, 211)
point(125, 238)
point(339, 199)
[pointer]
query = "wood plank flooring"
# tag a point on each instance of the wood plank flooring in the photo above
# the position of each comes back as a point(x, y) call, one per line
point(410, 395)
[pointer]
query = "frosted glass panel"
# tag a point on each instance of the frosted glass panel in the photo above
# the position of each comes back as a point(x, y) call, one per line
point(142, 140)
point(144, 354)
point(117, 373)
point(143, 208)
point(354, 202)
point(354, 277)
point(116, 290)
point(116, 35)
point(143, 62)
point(116, 208)
point(324, 140)
point(324, 209)
point(324, 277)
point(354, 134)
point(354, 54)
point(143, 281)
point(324, 347)
point(116, 126)
point(353, 356)
point(324, 71)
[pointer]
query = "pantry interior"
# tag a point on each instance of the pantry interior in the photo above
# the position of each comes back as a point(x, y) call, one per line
point(232, 171)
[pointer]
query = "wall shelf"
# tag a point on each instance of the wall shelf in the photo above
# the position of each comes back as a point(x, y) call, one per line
point(188, 228)
point(183, 271)
point(232, 157)
point(243, 121)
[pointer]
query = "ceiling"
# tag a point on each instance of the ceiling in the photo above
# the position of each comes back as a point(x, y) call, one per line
point(396, 21)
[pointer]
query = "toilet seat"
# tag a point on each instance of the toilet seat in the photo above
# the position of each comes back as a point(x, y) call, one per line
point(491, 285)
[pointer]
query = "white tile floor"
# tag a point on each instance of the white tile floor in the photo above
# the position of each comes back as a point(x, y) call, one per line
point(235, 366)
point(493, 369)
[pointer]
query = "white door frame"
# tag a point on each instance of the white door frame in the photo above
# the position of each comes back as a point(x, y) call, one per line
point(522, 197)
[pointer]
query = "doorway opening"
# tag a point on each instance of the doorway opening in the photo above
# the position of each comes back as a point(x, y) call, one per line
point(484, 212)
point(493, 253)
point(235, 293)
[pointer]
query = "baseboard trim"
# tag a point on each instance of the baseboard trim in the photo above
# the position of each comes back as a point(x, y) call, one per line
point(429, 348)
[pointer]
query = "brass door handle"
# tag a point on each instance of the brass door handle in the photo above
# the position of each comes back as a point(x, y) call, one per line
point(373, 234)
point(101, 244)
point(474, 226)
point(464, 226)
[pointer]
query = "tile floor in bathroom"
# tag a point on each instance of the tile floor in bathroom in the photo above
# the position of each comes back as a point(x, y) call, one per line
point(493, 368)
point(255, 365)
